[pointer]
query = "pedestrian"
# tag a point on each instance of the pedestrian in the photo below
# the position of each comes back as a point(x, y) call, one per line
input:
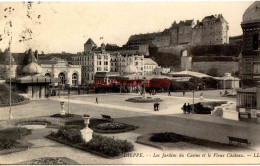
point(188, 108)
point(97, 100)
point(158, 104)
point(183, 93)
point(154, 106)
point(184, 108)
point(201, 96)
point(169, 93)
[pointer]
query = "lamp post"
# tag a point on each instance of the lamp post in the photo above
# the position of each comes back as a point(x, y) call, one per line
point(10, 79)
point(69, 100)
point(193, 101)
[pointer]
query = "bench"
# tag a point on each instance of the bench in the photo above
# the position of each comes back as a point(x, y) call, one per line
point(107, 117)
point(238, 140)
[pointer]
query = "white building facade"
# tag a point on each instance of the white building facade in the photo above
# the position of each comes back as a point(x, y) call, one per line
point(59, 68)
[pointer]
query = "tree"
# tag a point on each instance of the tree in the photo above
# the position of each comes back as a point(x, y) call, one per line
point(213, 72)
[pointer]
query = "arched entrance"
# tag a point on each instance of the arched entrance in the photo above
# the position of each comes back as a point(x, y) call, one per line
point(74, 79)
point(62, 78)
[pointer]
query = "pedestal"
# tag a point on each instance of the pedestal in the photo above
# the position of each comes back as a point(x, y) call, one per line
point(86, 134)
point(62, 111)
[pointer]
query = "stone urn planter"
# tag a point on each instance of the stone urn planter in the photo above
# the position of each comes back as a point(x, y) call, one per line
point(86, 133)
point(62, 111)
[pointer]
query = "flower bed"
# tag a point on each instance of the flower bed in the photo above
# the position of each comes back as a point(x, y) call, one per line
point(144, 100)
point(111, 126)
point(8, 143)
point(9, 137)
point(99, 145)
point(102, 126)
point(109, 146)
point(62, 116)
point(49, 161)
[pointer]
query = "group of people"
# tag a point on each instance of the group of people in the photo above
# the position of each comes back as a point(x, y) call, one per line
point(186, 108)
point(156, 106)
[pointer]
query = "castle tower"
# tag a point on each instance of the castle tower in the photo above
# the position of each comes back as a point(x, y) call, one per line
point(89, 45)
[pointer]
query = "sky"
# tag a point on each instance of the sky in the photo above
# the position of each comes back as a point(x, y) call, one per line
point(65, 26)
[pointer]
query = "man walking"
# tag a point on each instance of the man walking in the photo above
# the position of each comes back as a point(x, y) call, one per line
point(97, 100)
point(169, 93)
point(184, 108)
point(188, 108)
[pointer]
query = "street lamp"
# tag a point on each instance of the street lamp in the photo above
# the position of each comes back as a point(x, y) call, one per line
point(10, 79)
point(193, 101)
point(69, 100)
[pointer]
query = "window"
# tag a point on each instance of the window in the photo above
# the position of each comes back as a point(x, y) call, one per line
point(62, 78)
point(74, 79)
point(255, 41)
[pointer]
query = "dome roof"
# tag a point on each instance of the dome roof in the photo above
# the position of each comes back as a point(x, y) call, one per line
point(32, 68)
point(130, 69)
point(252, 14)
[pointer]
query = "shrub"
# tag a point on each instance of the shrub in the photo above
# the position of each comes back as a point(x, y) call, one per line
point(72, 135)
point(14, 133)
point(111, 126)
point(8, 143)
point(109, 146)
point(166, 137)
point(4, 96)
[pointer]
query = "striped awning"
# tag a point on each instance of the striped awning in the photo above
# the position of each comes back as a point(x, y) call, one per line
point(35, 79)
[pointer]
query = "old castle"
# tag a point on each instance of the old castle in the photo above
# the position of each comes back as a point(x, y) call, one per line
point(212, 30)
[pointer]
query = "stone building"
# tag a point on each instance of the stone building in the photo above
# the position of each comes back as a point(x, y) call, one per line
point(60, 69)
point(119, 62)
point(89, 45)
point(26, 75)
point(248, 100)
point(149, 66)
point(95, 59)
point(213, 30)
point(251, 43)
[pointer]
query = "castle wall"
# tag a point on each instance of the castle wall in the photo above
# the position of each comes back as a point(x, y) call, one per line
point(197, 38)
point(176, 50)
point(174, 36)
point(162, 40)
point(222, 67)
point(186, 63)
point(185, 34)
